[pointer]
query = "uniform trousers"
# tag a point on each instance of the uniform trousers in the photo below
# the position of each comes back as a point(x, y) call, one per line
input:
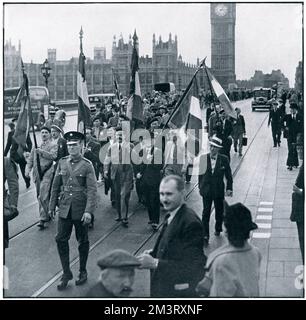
point(207, 203)
point(276, 134)
point(64, 230)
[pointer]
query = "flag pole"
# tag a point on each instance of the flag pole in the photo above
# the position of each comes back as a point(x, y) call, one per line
point(210, 87)
point(185, 93)
point(26, 84)
point(81, 50)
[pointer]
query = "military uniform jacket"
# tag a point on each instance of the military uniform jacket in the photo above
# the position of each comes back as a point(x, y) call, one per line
point(76, 187)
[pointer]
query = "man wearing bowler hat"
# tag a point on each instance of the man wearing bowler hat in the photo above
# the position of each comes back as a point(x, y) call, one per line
point(117, 275)
point(211, 185)
point(76, 188)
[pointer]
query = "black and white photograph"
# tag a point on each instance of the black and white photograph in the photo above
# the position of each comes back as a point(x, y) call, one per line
point(153, 150)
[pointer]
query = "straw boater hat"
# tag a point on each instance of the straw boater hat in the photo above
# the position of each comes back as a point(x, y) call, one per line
point(215, 141)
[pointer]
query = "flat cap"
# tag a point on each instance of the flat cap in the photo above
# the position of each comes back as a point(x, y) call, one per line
point(118, 258)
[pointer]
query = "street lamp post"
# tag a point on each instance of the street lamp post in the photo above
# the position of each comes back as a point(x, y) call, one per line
point(45, 70)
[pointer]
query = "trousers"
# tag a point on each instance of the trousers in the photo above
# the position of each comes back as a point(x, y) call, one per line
point(207, 203)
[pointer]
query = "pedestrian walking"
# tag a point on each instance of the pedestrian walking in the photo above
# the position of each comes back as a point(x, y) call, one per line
point(118, 163)
point(233, 270)
point(177, 259)
point(211, 185)
point(293, 125)
point(76, 188)
point(41, 162)
point(275, 119)
point(238, 131)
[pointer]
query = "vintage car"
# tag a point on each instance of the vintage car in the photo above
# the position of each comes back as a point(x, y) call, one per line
point(261, 98)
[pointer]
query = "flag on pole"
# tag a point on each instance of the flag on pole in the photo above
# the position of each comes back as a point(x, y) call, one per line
point(188, 117)
point(134, 107)
point(221, 95)
point(23, 121)
point(117, 92)
point(84, 106)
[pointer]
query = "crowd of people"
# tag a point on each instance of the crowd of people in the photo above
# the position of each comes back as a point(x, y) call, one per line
point(67, 168)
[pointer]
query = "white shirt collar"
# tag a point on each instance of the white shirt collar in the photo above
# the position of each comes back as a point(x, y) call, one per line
point(173, 213)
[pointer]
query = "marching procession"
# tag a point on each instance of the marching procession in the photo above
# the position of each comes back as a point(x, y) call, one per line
point(166, 190)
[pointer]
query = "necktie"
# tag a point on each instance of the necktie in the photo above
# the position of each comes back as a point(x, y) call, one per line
point(120, 153)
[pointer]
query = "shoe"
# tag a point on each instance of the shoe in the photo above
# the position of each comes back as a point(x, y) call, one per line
point(82, 278)
point(240, 154)
point(154, 226)
point(289, 168)
point(217, 233)
point(275, 146)
point(64, 282)
point(278, 144)
point(41, 225)
point(150, 222)
point(118, 219)
point(125, 222)
point(187, 182)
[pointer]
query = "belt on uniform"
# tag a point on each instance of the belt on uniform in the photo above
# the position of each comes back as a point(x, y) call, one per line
point(74, 189)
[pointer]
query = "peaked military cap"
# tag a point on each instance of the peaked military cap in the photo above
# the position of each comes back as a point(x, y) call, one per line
point(118, 258)
point(73, 137)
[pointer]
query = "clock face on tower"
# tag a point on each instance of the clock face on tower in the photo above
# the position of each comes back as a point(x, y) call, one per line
point(221, 10)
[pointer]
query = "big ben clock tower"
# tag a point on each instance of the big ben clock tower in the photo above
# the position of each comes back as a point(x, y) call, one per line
point(223, 18)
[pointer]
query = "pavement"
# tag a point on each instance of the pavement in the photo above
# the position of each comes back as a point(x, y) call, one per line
point(261, 182)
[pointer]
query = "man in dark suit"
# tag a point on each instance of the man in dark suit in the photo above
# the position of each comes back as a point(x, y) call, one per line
point(293, 125)
point(177, 259)
point(211, 185)
point(16, 152)
point(238, 131)
point(275, 118)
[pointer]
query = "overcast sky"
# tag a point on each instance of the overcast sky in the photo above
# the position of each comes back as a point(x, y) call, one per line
point(268, 36)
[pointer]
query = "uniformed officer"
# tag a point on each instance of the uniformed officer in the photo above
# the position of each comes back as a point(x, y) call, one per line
point(117, 275)
point(74, 191)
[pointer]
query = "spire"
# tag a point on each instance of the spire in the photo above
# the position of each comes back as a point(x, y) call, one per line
point(114, 41)
point(19, 47)
point(160, 39)
point(170, 37)
point(154, 39)
point(130, 39)
point(135, 38)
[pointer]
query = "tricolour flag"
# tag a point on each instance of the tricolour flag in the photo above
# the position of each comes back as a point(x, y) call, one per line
point(134, 107)
point(117, 92)
point(221, 95)
point(84, 106)
point(187, 116)
point(23, 121)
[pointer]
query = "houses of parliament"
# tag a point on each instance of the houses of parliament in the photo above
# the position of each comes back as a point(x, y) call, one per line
point(165, 65)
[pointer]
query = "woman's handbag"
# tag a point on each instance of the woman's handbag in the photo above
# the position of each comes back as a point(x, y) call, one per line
point(244, 140)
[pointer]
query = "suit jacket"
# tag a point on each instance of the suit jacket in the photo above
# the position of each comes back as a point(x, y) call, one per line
point(93, 153)
point(112, 165)
point(211, 184)
point(275, 118)
point(13, 146)
point(179, 249)
point(293, 126)
point(238, 126)
point(77, 193)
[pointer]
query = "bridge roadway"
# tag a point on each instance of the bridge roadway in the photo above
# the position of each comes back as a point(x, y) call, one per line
point(32, 259)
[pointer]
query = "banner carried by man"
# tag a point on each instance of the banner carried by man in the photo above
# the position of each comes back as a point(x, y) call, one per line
point(134, 107)
point(84, 106)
